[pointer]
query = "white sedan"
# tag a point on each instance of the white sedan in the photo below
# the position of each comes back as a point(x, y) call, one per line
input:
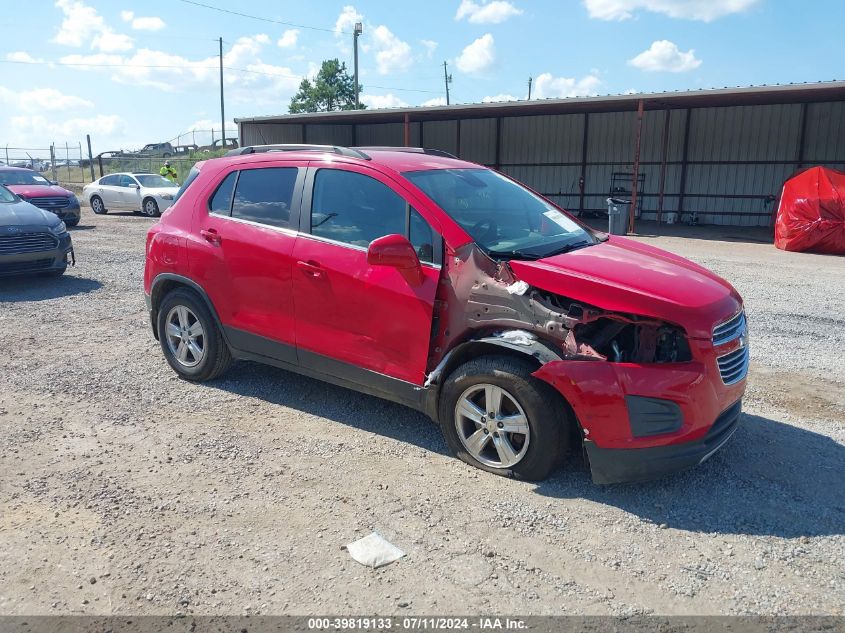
point(148, 193)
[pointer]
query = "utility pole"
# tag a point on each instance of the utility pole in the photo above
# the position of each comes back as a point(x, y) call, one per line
point(448, 79)
point(530, 80)
point(359, 28)
point(222, 107)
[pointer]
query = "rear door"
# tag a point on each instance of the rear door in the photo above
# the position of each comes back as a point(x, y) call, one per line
point(352, 317)
point(244, 236)
point(109, 190)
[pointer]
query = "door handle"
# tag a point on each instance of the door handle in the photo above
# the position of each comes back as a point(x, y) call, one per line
point(312, 268)
point(211, 235)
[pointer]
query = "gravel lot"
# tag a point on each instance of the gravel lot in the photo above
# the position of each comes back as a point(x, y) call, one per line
point(125, 490)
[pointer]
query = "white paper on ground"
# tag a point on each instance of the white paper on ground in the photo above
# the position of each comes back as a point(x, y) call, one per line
point(373, 551)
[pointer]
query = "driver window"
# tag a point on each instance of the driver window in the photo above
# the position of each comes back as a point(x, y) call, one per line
point(355, 209)
point(127, 181)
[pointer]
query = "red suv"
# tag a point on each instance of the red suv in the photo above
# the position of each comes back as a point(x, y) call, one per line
point(448, 287)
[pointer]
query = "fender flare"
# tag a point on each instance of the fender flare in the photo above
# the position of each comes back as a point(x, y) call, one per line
point(156, 296)
point(520, 341)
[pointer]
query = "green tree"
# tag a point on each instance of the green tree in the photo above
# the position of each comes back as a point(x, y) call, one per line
point(332, 89)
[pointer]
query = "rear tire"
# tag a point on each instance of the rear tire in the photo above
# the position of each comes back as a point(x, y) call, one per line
point(525, 403)
point(149, 207)
point(190, 337)
point(98, 206)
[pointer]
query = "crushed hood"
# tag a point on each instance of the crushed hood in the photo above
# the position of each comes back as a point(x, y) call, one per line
point(622, 275)
point(39, 191)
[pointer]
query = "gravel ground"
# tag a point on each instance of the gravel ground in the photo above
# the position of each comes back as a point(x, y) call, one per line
point(124, 490)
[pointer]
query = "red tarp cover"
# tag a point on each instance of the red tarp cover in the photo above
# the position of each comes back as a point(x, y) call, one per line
point(811, 216)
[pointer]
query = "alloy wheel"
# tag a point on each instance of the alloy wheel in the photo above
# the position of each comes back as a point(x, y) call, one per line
point(492, 426)
point(150, 208)
point(185, 336)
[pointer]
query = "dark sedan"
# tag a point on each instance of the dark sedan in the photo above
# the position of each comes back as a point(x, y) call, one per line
point(31, 240)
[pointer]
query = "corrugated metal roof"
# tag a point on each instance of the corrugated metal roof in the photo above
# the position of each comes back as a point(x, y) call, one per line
point(748, 95)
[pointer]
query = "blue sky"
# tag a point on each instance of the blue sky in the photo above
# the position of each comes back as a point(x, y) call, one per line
point(130, 73)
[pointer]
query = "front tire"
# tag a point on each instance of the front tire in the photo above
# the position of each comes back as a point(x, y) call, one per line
point(72, 223)
point(150, 208)
point(496, 416)
point(97, 205)
point(190, 337)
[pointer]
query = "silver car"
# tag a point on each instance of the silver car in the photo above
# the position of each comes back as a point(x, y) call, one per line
point(150, 194)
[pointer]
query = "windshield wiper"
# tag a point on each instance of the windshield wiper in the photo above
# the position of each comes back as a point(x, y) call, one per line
point(514, 254)
point(570, 247)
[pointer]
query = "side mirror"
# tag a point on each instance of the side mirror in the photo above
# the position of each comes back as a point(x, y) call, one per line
point(393, 250)
point(137, 186)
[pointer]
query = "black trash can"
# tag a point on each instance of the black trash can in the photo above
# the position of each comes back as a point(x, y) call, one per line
point(618, 212)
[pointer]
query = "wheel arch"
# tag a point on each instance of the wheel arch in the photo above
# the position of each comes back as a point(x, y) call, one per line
point(164, 283)
point(519, 344)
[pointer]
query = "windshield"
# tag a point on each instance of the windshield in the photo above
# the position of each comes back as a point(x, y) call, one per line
point(504, 218)
point(6, 195)
point(154, 180)
point(22, 178)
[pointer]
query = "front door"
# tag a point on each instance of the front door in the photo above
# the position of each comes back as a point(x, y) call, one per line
point(351, 316)
point(243, 241)
point(130, 193)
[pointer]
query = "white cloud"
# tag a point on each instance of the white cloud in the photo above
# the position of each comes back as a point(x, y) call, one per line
point(127, 16)
point(263, 84)
point(383, 101)
point(82, 24)
point(110, 42)
point(392, 54)
point(703, 10)
point(664, 56)
point(486, 12)
point(22, 56)
point(346, 20)
point(436, 101)
point(499, 97)
point(288, 39)
point(39, 99)
point(73, 128)
point(546, 86)
point(478, 56)
point(151, 23)
point(430, 47)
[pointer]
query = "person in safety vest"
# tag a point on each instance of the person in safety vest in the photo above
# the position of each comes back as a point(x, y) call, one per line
point(168, 172)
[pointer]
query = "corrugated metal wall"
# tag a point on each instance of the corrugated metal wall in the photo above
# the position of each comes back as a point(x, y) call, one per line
point(736, 157)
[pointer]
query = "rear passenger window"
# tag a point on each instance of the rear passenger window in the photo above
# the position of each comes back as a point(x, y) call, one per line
point(354, 209)
point(221, 201)
point(265, 195)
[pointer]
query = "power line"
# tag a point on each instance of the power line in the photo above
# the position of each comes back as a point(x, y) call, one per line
point(261, 19)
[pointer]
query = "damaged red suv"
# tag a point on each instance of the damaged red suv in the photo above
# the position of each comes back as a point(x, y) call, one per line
point(445, 286)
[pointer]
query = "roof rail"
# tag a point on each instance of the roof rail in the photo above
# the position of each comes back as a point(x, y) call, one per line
point(409, 150)
point(333, 149)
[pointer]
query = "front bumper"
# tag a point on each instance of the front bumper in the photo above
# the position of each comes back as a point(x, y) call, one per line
point(610, 466)
point(40, 261)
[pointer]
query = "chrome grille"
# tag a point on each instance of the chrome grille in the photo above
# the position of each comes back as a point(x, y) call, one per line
point(734, 366)
point(27, 243)
point(50, 202)
point(731, 329)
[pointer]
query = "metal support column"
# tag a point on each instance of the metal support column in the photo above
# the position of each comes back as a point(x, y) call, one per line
point(803, 134)
point(582, 181)
point(498, 159)
point(458, 138)
point(664, 152)
point(636, 172)
point(684, 157)
point(407, 129)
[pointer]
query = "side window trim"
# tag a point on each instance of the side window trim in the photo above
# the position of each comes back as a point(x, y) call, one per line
point(307, 203)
